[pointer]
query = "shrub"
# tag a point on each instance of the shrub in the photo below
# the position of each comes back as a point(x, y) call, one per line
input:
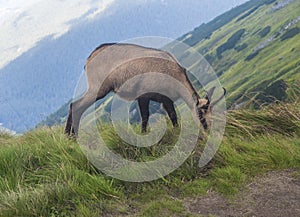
point(230, 43)
point(252, 55)
point(265, 31)
point(290, 33)
point(241, 47)
point(247, 14)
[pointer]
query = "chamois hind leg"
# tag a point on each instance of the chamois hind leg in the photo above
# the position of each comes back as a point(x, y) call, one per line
point(168, 105)
point(144, 111)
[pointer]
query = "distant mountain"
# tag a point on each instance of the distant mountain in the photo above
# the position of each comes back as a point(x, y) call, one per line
point(254, 49)
point(38, 82)
point(4, 130)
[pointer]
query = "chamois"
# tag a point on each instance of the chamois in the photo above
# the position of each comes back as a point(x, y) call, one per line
point(110, 66)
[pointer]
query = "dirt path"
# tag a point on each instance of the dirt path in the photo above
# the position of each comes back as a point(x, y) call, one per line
point(274, 194)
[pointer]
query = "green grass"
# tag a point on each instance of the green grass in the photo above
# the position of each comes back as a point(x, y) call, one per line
point(163, 207)
point(43, 173)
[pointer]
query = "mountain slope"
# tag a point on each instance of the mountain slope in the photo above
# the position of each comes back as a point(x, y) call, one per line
point(256, 54)
point(254, 49)
point(205, 30)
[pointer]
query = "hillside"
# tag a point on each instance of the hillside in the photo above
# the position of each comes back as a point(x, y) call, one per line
point(254, 49)
point(43, 173)
point(256, 54)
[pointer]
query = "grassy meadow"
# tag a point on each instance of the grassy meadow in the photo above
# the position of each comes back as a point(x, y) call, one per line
point(44, 173)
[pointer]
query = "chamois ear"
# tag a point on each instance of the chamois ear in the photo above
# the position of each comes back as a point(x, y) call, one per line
point(209, 94)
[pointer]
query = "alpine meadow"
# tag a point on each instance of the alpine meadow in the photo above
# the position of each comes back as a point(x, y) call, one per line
point(254, 49)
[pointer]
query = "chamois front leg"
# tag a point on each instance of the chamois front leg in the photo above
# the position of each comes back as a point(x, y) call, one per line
point(80, 106)
point(69, 121)
point(144, 111)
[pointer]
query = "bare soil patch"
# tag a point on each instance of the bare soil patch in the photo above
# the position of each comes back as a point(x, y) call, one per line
point(275, 194)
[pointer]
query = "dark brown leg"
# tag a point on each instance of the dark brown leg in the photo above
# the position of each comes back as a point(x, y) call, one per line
point(169, 107)
point(69, 121)
point(144, 111)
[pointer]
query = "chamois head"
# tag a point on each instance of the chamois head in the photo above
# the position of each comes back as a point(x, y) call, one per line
point(204, 106)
